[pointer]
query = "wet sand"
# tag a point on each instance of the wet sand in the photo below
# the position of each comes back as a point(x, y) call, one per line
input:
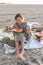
point(32, 14)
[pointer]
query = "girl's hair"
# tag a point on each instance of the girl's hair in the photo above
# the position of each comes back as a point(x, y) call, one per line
point(19, 15)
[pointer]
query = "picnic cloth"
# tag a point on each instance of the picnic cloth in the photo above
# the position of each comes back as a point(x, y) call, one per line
point(31, 44)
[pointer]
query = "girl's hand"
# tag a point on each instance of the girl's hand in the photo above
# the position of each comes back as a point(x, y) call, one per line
point(28, 32)
point(35, 37)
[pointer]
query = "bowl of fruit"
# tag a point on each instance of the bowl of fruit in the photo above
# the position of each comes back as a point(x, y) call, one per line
point(7, 29)
point(38, 36)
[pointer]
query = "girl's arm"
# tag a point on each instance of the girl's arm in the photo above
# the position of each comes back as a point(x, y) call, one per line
point(27, 31)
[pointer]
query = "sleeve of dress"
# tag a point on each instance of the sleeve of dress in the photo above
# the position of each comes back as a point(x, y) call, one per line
point(27, 31)
point(26, 28)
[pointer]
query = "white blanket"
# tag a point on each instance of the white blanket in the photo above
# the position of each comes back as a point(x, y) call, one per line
point(31, 44)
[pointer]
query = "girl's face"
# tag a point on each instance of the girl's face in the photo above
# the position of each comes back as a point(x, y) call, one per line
point(19, 20)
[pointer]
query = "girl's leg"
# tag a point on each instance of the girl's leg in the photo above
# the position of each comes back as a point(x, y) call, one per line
point(22, 49)
point(22, 46)
point(17, 50)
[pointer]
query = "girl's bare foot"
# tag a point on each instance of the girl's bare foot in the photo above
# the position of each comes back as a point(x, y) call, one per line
point(21, 55)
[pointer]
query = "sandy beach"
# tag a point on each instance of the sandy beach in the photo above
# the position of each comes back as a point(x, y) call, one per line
point(32, 57)
point(32, 13)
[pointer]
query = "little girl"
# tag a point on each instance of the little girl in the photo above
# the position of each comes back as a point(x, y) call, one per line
point(23, 25)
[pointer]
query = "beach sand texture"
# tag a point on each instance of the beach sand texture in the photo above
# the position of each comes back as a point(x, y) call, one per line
point(32, 13)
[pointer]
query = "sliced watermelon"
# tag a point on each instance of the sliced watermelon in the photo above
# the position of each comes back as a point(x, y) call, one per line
point(17, 30)
point(38, 36)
